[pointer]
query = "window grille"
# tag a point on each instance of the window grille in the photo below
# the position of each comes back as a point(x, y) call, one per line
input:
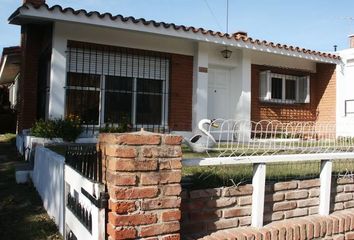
point(115, 86)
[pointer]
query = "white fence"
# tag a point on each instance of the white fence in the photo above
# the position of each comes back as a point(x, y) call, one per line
point(69, 198)
point(230, 142)
point(84, 218)
point(48, 178)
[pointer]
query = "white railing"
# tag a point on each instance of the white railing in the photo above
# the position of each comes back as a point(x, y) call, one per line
point(48, 178)
point(260, 143)
point(248, 138)
point(87, 223)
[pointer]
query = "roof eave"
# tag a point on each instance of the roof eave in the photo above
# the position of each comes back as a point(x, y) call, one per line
point(56, 13)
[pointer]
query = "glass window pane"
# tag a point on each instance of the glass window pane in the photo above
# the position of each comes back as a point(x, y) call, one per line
point(83, 80)
point(119, 83)
point(149, 85)
point(118, 107)
point(277, 88)
point(118, 99)
point(290, 90)
point(148, 110)
point(83, 103)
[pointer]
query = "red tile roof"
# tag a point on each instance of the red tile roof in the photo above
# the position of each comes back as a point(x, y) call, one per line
point(239, 36)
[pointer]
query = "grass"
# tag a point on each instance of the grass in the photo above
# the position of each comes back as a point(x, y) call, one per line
point(21, 213)
point(217, 176)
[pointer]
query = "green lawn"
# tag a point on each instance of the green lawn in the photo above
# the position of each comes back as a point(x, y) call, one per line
point(21, 213)
point(217, 176)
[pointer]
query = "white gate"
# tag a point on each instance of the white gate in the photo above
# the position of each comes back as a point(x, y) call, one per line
point(85, 198)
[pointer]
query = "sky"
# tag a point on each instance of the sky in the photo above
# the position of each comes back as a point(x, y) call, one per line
point(312, 24)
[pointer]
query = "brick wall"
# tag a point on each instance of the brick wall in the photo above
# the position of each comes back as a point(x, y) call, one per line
point(322, 97)
point(325, 97)
point(34, 40)
point(209, 210)
point(284, 200)
point(337, 226)
point(181, 90)
point(142, 174)
point(342, 194)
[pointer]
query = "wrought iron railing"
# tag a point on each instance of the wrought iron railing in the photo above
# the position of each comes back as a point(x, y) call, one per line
point(85, 159)
point(113, 85)
point(84, 215)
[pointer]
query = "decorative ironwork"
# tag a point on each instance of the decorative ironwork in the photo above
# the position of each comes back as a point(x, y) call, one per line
point(85, 159)
point(83, 214)
point(71, 236)
point(237, 138)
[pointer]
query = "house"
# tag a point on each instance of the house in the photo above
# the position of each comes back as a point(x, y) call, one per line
point(9, 73)
point(109, 68)
point(344, 88)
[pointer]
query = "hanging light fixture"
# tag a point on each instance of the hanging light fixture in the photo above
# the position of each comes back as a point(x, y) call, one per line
point(226, 53)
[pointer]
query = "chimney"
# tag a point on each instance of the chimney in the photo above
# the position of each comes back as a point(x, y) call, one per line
point(351, 41)
point(35, 3)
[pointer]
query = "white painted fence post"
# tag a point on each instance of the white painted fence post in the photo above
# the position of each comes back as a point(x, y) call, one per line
point(325, 187)
point(258, 183)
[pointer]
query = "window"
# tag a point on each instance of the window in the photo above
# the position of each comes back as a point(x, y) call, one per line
point(281, 88)
point(116, 86)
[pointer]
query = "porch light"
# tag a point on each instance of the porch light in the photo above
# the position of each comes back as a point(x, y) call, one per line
point(226, 53)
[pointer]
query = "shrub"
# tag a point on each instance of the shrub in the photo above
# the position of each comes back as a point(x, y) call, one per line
point(68, 129)
point(123, 126)
point(44, 129)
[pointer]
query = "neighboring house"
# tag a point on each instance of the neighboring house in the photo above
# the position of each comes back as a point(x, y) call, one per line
point(9, 75)
point(109, 68)
point(345, 89)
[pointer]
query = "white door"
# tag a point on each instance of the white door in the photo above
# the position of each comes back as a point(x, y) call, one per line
point(218, 93)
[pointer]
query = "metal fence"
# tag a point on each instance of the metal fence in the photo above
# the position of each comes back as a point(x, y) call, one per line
point(293, 150)
point(85, 159)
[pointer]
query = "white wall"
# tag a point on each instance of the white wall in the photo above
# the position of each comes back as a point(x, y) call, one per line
point(86, 33)
point(345, 91)
point(206, 55)
point(48, 178)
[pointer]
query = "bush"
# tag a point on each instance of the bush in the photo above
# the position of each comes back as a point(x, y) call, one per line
point(68, 129)
point(123, 126)
point(44, 129)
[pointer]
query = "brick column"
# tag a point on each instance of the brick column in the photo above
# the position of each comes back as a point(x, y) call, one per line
point(143, 172)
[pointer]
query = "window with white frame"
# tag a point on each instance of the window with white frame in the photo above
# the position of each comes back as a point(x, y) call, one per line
point(282, 88)
point(115, 86)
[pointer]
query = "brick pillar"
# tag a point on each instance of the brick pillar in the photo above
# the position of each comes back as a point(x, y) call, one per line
point(142, 172)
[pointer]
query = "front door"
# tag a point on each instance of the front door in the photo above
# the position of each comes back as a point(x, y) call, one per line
point(219, 93)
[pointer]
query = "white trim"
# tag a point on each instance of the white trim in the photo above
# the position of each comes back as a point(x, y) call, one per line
point(258, 183)
point(325, 187)
point(57, 15)
point(284, 77)
point(219, 161)
point(3, 66)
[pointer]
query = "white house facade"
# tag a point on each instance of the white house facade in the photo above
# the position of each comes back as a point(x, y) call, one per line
point(106, 68)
